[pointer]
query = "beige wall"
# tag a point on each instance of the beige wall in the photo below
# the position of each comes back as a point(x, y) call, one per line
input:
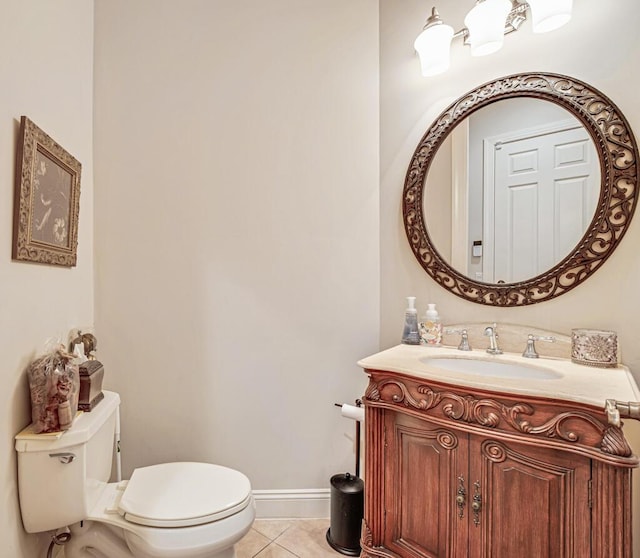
point(46, 65)
point(237, 228)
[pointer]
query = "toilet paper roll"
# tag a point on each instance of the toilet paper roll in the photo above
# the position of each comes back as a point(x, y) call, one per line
point(352, 412)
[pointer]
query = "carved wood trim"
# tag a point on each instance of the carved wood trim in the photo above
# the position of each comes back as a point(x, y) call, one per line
point(611, 511)
point(373, 507)
point(366, 544)
point(614, 442)
point(365, 538)
point(576, 428)
point(618, 154)
point(378, 552)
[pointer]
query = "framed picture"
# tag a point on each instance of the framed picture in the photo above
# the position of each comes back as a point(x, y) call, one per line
point(47, 200)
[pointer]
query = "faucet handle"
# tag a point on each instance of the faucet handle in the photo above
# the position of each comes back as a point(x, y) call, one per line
point(530, 351)
point(464, 338)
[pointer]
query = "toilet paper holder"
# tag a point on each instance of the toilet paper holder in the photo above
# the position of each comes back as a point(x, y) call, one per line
point(348, 411)
point(347, 497)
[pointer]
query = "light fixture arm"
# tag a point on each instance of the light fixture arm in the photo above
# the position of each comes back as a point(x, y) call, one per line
point(517, 16)
point(464, 33)
point(435, 19)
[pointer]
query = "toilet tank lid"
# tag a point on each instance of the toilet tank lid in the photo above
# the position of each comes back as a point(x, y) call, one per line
point(183, 494)
point(84, 426)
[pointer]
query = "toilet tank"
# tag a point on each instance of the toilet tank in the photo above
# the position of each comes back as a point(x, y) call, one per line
point(62, 475)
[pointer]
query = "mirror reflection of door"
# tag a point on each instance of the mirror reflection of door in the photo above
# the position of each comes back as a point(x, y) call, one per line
point(549, 175)
point(542, 185)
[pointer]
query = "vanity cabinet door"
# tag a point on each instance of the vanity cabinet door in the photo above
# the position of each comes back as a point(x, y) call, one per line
point(449, 494)
point(422, 466)
point(532, 501)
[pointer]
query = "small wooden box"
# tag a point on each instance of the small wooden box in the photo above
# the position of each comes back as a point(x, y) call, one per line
point(91, 374)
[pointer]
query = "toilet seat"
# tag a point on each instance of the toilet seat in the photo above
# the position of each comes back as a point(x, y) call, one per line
point(196, 541)
point(183, 494)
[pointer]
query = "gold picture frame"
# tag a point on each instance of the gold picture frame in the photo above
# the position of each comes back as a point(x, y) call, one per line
point(47, 199)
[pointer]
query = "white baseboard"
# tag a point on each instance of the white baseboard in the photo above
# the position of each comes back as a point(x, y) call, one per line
point(304, 503)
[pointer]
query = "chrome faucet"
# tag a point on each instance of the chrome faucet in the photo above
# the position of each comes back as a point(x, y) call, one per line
point(492, 334)
point(530, 351)
point(464, 338)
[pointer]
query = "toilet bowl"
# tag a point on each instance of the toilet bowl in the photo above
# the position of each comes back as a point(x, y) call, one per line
point(182, 510)
point(170, 510)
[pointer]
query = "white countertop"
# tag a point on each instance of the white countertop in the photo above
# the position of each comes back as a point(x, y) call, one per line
point(574, 382)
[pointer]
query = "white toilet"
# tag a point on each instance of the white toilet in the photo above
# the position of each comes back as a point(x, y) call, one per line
point(181, 510)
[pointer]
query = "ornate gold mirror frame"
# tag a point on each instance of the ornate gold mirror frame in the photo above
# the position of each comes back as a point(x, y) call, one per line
point(618, 154)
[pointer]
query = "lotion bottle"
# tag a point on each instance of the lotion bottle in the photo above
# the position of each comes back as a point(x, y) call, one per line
point(410, 333)
point(431, 327)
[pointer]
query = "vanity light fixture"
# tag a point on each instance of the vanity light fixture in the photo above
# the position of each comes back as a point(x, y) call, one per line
point(485, 27)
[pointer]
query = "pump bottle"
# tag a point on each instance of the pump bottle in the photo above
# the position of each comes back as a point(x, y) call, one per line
point(431, 327)
point(410, 333)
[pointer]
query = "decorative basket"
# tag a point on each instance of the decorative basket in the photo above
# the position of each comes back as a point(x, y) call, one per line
point(594, 347)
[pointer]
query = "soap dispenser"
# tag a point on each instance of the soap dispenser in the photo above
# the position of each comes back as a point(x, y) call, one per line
point(410, 333)
point(431, 327)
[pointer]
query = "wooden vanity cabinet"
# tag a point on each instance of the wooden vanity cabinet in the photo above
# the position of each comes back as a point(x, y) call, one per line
point(454, 473)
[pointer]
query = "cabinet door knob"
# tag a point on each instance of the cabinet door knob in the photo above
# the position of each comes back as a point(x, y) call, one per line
point(476, 505)
point(461, 497)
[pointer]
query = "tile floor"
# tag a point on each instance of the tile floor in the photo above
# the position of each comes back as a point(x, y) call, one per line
point(279, 538)
point(289, 538)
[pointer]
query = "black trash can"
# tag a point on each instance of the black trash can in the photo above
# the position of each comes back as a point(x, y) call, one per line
point(347, 511)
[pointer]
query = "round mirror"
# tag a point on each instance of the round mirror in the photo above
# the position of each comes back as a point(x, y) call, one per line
point(521, 189)
point(511, 190)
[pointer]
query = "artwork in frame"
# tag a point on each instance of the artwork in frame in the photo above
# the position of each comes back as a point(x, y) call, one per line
point(47, 199)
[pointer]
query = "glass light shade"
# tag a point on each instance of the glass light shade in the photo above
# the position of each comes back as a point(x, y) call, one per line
point(486, 22)
point(548, 15)
point(433, 46)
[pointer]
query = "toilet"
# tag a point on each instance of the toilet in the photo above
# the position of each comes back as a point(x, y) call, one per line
point(170, 510)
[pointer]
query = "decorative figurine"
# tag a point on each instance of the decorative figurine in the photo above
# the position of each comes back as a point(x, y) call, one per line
point(89, 344)
point(82, 345)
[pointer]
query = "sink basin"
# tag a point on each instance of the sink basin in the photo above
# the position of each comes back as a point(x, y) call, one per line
point(493, 368)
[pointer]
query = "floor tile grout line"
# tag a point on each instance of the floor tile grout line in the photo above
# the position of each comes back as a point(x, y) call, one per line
point(276, 537)
point(263, 548)
point(279, 543)
point(286, 549)
point(271, 545)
